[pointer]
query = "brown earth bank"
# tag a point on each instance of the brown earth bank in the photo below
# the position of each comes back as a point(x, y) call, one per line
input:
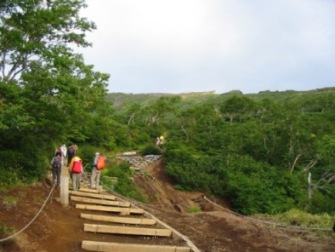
point(215, 228)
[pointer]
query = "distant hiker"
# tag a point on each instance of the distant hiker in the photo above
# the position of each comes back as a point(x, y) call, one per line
point(98, 165)
point(71, 152)
point(161, 139)
point(62, 150)
point(58, 152)
point(158, 141)
point(334, 228)
point(76, 170)
point(56, 167)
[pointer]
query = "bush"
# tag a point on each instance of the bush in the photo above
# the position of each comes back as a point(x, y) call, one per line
point(248, 183)
point(321, 203)
point(301, 218)
point(125, 185)
point(194, 209)
point(9, 178)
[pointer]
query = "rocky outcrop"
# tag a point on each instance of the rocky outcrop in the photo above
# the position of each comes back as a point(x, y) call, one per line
point(136, 161)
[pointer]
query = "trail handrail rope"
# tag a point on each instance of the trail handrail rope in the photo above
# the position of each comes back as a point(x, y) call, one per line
point(33, 219)
point(279, 225)
point(268, 222)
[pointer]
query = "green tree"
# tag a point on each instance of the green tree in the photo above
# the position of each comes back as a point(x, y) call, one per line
point(238, 108)
point(47, 92)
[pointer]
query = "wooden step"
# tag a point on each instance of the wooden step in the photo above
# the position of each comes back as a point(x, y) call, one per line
point(127, 230)
point(100, 201)
point(93, 195)
point(121, 210)
point(90, 190)
point(122, 220)
point(111, 246)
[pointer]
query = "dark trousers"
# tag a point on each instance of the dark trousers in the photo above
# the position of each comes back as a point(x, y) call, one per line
point(56, 171)
point(69, 157)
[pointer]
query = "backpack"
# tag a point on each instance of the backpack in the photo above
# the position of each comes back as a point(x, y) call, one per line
point(77, 167)
point(57, 162)
point(59, 152)
point(101, 162)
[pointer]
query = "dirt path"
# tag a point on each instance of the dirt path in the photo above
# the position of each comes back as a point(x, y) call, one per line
point(60, 228)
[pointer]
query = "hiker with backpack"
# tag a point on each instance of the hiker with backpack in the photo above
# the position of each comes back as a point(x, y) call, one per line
point(71, 152)
point(56, 167)
point(97, 166)
point(76, 170)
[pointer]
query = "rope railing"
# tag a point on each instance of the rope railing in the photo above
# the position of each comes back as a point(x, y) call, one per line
point(275, 224)
point(33, 219)
point(280, 225)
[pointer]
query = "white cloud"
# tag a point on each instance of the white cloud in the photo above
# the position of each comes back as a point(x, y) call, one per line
point(197, 45)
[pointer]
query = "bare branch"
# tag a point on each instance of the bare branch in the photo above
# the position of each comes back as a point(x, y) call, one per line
point(295, 162)
point(183, 129)
point(131, 118)
point(310, 165)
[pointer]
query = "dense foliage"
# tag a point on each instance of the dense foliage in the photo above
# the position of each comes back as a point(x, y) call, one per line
point(48, 96)
point(257, 150)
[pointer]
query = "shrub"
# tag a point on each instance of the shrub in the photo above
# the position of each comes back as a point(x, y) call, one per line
point(9, 178)
point(125, 185)
point(301, 218)
point(194, 209)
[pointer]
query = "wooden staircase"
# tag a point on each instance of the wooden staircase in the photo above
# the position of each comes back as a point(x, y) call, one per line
point(108, 215)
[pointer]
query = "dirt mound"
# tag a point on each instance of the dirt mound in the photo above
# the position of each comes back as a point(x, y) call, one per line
point(213, 229)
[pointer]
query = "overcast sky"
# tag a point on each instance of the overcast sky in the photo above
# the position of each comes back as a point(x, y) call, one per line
point(176, 46)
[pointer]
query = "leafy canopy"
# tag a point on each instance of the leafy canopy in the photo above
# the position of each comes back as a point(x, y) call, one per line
point(47, 92)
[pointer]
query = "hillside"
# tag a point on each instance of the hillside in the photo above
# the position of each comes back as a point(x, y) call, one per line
point(120, 100)
point(214, 229)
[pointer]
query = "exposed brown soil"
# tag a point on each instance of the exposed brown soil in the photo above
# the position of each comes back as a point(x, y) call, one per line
point(214, 229)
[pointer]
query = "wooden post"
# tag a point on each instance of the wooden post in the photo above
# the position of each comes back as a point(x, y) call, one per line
point(64, 187)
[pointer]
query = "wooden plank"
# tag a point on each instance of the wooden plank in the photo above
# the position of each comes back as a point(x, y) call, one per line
point(111, 246)
point(90, 190)
point(127, 230)
point(175, 233)
point(93, 195)
point(115, 219)
point(124, 211)
point(100, 202)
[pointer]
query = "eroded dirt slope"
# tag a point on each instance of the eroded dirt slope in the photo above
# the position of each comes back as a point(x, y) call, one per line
point(215, 229)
